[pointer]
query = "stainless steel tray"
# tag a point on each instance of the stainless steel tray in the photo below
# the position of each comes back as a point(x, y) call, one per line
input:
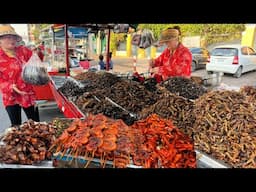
point(68, 161)
point(205, 161)
point(43, 164)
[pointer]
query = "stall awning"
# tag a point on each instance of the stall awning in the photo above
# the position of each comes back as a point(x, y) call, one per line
point(75, 32)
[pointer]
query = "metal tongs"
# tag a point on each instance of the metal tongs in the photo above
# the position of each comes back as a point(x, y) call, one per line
point(114, 103)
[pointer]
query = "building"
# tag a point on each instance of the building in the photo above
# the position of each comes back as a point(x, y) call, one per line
point(22, 30)
point(31, 29)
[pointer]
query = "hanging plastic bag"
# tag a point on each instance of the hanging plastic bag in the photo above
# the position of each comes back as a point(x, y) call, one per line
point(136, 38)
point(121, 28)
point(147, 39)
point(34, 71)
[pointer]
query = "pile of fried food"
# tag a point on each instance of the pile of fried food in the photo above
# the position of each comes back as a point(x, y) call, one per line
point(27, 144)
point(150, 143)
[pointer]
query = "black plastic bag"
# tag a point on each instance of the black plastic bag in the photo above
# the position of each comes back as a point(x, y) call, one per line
point(121, 28)
point(34, 71)
point(147, 39)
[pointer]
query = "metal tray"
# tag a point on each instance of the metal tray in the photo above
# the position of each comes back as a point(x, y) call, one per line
point(205, 161)
point(58, 81)
point(43, 164)
point(68, 161)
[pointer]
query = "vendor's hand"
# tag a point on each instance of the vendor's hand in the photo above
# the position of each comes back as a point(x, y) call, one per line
point(14, 87)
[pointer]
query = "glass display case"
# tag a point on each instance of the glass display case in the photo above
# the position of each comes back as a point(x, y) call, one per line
point(56, 49)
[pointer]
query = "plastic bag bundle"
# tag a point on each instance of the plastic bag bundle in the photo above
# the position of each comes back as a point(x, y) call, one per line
point(121, 28)
point(147, 39)
point(34, 71)
point(143, 39)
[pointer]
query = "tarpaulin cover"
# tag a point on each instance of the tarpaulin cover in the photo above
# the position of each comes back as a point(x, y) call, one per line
point(75, 32)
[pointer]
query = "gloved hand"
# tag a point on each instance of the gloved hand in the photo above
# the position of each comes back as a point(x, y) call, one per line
point(158, 78)
point(138, 77)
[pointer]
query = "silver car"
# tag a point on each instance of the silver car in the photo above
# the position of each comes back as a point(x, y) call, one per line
point(233, 59)
point(200, 57)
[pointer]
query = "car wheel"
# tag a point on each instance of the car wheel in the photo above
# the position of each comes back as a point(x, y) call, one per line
point(238, 72)
point(193, 66)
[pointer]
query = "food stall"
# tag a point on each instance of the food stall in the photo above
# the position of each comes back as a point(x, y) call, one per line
point(57, 54)
point(209, 118)
point(203, 160)
point(65, 159)
point(222, 125)
point(68, 108)
point(61, 40)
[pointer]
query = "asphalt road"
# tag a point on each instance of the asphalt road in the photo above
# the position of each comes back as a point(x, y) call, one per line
point(123, 65)
point(126, 65)
point(228, 79)
point(46, 111)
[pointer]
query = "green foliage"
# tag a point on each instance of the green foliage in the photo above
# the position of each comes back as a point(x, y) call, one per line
point(37, 30)
point(115, 38)
point(155, 28)
point(212, 33)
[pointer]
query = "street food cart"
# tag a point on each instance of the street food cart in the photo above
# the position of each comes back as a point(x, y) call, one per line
point(60, 41)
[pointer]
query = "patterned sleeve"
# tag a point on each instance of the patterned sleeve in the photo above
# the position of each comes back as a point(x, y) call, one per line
point(5, 86)
point(159, 60)
point(27, 52)
point(6, 81)
point(185, 63)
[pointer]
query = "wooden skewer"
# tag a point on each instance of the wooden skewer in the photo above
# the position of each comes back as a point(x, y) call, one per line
point(88, 161)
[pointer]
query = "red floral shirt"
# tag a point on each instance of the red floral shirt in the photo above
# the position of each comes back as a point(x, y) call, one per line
point(10, 73)
point(177, 64)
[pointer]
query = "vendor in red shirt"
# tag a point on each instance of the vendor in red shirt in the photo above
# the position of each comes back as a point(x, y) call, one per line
point(176, 58)
point(16, 93)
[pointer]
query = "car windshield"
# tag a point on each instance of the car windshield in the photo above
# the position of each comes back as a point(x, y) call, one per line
point(224, 52)
point(195, 50)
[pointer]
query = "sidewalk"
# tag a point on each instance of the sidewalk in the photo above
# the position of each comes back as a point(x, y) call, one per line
point(125, 64)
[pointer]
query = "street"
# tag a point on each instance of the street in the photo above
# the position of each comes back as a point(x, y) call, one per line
point(47, 113)
point(123, 65)
point(126, 65)
point(228, 79)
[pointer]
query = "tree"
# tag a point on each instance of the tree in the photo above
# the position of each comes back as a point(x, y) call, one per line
point(38, 28)
point(212, 33)
point(115, 39)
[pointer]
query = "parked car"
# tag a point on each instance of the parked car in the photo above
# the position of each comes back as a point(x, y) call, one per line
point(233, 59)
point(200, 57)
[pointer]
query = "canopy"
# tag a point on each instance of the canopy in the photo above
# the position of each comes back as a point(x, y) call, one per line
point(75, 32)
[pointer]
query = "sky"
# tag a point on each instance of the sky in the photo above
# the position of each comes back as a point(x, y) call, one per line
point(22, 30)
